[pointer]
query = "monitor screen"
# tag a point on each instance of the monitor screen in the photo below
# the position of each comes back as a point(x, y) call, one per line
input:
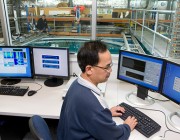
point(52, 63)
point(15, 62)
point(142, 70)
point(171, 82)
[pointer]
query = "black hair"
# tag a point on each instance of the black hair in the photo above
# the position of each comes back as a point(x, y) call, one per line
point(88, 53)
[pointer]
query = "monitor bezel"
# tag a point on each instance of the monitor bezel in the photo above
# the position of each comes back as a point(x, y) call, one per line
point(144, 55)
point(51, 76)
point(31, 65)
point(162, 93)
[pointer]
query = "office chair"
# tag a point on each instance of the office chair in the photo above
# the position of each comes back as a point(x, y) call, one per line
point(39, 128)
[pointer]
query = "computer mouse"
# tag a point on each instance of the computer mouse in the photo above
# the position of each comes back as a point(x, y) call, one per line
point(157, 138)
point(31, 92)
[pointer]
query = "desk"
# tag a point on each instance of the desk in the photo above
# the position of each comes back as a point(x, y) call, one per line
point(116, 92)
point(47, 102)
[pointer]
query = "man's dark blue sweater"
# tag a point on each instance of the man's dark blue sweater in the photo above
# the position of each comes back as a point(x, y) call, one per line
point(84, 118)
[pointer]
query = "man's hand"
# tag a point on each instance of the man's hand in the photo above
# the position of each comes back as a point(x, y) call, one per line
point(131, 121)
point(117, 111)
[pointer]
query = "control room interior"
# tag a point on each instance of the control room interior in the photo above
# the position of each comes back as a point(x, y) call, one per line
point(141, 35)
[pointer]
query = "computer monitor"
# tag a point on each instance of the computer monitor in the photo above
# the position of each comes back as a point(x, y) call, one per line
point(52, 63)
point(15, 64)
point(142, 70)
point(171, 88)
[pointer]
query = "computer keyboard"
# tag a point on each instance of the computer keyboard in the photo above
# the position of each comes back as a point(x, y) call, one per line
point(146, 125)
point(13, 90)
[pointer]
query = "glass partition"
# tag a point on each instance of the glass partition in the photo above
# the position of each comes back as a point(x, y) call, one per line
point(75, 18)
point(63, 17)
point(112, 18)
point(66, 18)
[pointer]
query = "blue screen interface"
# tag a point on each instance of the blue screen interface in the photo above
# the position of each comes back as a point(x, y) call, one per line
point(142, 70)
point(171, 84)
point(15, 62)
point(51, 62)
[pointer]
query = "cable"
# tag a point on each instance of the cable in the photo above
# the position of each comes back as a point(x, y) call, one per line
point(35, 83)
point(158, 99)
point(168, 129)
point(74, 75)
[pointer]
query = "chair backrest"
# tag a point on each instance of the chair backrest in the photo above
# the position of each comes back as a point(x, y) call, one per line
point(39, 128)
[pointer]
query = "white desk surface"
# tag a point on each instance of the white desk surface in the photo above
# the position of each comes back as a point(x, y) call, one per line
point(47, 102)
point(116, 93)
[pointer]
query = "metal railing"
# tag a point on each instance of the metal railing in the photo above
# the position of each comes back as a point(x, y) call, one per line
point(150, 36)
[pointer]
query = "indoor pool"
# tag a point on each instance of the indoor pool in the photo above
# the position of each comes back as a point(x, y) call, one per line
point(113, 44)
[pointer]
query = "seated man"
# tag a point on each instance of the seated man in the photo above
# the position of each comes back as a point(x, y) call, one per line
point(85, 114)
point(42, 24)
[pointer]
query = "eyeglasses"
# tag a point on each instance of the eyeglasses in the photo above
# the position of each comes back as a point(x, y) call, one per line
point(107, 68)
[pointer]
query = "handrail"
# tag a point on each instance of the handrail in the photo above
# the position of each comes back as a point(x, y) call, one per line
point(159, 11)
point(156, 20)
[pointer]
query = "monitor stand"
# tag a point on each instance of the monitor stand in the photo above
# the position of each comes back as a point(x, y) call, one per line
point(53, 82)
point(10, 81)
point(140, 98)
point(170, 119)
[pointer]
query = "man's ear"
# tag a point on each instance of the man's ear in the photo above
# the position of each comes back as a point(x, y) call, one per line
point(89, 69)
